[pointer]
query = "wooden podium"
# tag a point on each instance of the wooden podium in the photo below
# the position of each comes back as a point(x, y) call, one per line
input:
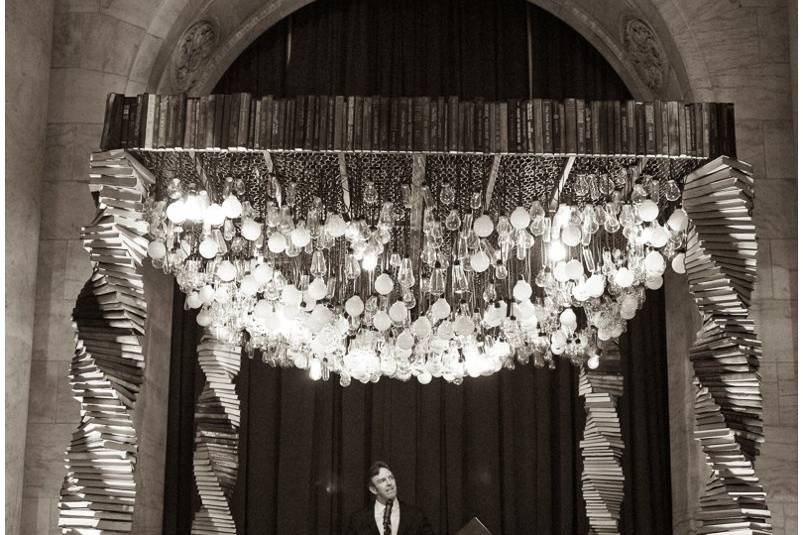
point(474, 527)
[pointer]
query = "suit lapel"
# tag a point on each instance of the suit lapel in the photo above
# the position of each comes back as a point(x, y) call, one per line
point(404, 520)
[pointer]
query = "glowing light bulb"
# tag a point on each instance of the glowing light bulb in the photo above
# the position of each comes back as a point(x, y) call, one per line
point(556, 251)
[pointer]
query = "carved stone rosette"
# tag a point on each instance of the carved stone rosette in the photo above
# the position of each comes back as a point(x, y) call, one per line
point(721, 266)
point(98, 492)
point(217, 423)
point(602, 445)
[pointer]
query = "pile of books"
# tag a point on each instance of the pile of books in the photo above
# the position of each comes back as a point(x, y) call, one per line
point(721, 263)
point(98, 493)
point(602, 446)
point(217, 421)
point(240, 121)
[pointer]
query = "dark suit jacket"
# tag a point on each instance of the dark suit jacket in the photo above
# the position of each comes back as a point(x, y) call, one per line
point(412, 521)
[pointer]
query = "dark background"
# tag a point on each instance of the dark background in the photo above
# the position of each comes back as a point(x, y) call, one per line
point(503, 448)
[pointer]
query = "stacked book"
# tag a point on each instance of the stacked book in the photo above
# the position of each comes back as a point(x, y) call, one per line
point(602, 446)
point(241, 121)
point(98, 493)
point(217, 421)
point(721, 265)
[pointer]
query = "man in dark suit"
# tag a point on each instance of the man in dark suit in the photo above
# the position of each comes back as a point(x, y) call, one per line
point(387, 515)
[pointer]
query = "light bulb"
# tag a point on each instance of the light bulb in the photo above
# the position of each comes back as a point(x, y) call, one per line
point(480, 261)
point(522, 290)
point(277, 243)
point(556, 251)
point(382, 321)
point(354, 306)
point(571, 235)
point(369, 262)
point(226, 271)
point(647, 210)
point(383, 284)
point(483, 226)
point(679, 263)
point(679, 220)
point(204, 318)
point(593, 362)
point(208, 247)
point(214, 215)
point(175, 212)
point(317, 289)
point(623, 277)
point(232, 207)
point(315, 370)
point(520, 218)
point(157, 249)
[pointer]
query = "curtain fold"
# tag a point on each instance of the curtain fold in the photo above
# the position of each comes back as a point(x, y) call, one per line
point(503, 448)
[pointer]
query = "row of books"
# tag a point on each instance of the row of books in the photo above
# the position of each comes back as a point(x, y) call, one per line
point(721, 263)
point(602, 446)
point(217, 421)
point(99, 492)
point(240, 121)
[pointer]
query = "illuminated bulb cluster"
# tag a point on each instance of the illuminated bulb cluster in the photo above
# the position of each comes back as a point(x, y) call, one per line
point(265, 278)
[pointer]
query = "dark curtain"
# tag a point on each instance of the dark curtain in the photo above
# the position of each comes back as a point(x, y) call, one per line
point(503, 448)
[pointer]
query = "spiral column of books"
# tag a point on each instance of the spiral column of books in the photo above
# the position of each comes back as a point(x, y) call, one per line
point(721, 267)
point(602, 445)
point(217, 424)
point(98, 494)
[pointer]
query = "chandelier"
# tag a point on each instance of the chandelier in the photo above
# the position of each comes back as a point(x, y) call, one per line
point(465, 291)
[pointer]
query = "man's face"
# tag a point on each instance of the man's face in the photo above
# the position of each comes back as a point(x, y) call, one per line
point(383, 485)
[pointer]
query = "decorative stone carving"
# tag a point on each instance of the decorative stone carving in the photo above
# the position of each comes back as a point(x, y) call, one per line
point(645, 52)
point(194, 47)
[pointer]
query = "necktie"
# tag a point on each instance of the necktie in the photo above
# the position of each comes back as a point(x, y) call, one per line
point(386, 519)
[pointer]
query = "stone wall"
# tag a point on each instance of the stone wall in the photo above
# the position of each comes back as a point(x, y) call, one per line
point(28, 45)
point(723, 50)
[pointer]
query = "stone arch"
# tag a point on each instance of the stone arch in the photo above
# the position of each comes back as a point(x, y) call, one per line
point(653, 50)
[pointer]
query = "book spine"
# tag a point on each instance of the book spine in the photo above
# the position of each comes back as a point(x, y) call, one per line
point(108, 121)
point(404, 123)
point(163, 110)
point(682, 137)
point(151, 115)
point(443, 112)
point(299, 122)
point(312, 113)
point(349, 141)
point(649, 113)
point(674, 124)
point(730, 129)
point(616, 106)
point(665, 127)
point(632, 139)
point(570, 128)
point(502, 114)
point(623, 127)
point(189, 123)
point(359, 103)
point(580, 110)
point(218, 117)
point(139, 121)
point(485, 146)
point(124, 122)
point(330, 122)
point(547, 126)
point(322, 122)
point(706, 130)
point(253, 124)
point(418, 124)
point(367, 122)
point(596, 147)
point(659, 127)
point(269, 117)
point(513, 116)
point(641, 136)
point(338, 125)
point(699, 130)
point(180, 120)
point(588, 126)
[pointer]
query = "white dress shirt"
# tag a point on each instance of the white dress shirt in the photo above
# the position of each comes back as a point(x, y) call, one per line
point(379, 516)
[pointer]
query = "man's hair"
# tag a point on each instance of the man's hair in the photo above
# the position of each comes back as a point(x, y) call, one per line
point(374, 470)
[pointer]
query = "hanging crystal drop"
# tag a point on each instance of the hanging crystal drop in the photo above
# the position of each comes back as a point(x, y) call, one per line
point(672, 191)
point(447, 194)
point(500, 272)
point(453, 220)
point(370, 195)
point(459, 279)
point(489, 294)
point(476, 200)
